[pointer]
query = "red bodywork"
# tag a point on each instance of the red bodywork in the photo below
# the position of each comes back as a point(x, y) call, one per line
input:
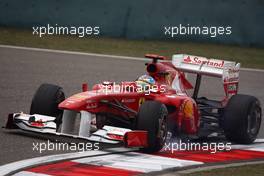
point(182, 109)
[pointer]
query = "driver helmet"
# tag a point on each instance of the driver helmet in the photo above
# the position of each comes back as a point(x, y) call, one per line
point(145, 81)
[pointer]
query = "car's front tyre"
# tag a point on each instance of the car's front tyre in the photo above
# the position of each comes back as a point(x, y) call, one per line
point(153, 118)
point(46, 101)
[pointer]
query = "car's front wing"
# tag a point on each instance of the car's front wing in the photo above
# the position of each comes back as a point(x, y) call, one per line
point(45, 125)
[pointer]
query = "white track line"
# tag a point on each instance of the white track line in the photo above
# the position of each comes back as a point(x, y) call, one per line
point(251, 69)
point(26, 173)
point(96, 55)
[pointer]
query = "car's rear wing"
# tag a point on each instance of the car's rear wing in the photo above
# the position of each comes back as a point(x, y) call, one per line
point(227, 70)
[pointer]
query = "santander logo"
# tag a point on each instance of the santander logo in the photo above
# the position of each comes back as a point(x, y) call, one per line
point(187, 59)
point(202, 60)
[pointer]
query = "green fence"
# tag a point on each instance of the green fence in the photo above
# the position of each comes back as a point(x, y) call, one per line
point(143, 19)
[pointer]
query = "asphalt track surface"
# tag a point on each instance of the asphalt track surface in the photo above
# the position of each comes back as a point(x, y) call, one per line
point(22, 71)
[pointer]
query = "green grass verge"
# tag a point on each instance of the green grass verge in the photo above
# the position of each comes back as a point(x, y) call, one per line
point(249, 57)
point(252, 170)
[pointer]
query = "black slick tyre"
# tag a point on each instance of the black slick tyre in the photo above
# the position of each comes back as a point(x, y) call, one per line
point(46, 101)
point(242, 119)
point(152, 117)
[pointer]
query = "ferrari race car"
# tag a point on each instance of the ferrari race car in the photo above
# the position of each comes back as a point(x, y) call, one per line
point(141, 113)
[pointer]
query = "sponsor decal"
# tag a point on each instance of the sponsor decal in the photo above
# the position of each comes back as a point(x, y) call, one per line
point(91, 104)
point(202, 60)
point(38, 123)
point(115, 137)
point(141, 101)
point(232, 87)
point(233, 70)
point(232, 74)
point(228, 80)
point(188, 109)
point(131, 100)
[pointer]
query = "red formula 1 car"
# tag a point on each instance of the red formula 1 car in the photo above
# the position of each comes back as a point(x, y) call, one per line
point(139, 113)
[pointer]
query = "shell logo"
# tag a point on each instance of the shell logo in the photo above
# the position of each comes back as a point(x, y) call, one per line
point(141, 101)
point(188, 109)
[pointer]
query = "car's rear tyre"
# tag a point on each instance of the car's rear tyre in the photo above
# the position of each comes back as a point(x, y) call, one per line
point(46, 101)
point(153, 118)
point(242, 119)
